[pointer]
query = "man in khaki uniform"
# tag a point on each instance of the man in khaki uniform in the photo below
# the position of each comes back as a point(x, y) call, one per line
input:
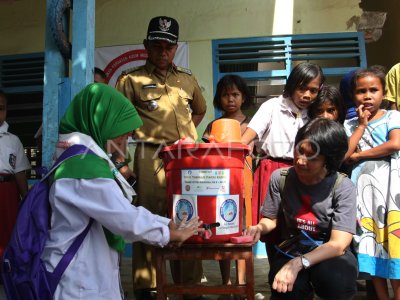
point(393, 87)
point(169, 101)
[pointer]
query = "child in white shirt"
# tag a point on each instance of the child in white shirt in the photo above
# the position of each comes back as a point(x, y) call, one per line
point(13, 180)
point(275, 124)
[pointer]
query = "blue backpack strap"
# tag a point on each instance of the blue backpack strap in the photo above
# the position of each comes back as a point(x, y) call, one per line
point(63, 264)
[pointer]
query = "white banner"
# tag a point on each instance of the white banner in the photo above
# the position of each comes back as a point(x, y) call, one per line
point(115, 59)
point(205, 182)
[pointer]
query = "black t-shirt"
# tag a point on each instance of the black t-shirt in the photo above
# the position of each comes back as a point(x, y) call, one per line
point(310, 207)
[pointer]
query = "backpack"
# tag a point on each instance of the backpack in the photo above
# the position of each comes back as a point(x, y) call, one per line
point(24, 273)
point(285, 172)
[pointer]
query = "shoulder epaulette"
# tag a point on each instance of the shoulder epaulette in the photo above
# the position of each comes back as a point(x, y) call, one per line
point(184, 70)
point(130, 70)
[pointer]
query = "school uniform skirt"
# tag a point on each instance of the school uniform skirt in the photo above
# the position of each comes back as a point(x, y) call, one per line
point(9, 203)
point(262, 176)
point(261, 180)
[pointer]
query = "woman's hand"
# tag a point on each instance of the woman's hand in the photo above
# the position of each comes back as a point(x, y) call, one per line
point(253, 231)
point(285, 278)
point(265, 226)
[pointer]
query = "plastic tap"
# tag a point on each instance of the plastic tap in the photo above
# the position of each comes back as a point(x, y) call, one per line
point(207, 229)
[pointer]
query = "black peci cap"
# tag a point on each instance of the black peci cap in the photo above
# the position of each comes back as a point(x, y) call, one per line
point(163, 29)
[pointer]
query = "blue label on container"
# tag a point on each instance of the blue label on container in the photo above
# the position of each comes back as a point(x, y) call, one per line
point(183, 208)
point(228, 210)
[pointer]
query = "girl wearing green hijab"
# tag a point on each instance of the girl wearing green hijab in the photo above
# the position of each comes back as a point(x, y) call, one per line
point(89, 186)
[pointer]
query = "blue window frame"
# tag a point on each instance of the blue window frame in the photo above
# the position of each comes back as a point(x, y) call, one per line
point(266, 62)
point(22, 73)
point(21, 78)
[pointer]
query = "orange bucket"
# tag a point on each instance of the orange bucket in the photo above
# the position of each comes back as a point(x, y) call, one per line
point(226, 130)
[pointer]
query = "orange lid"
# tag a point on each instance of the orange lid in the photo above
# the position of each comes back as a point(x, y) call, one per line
point(226, 130)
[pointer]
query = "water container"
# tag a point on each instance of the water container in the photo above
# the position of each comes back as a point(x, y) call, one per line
point(206, 180)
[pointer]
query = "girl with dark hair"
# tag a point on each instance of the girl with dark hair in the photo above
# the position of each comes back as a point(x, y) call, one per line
point(275, 125)
point(329, 104)
point(317, 203)
point(374, 150)
point(231, 97)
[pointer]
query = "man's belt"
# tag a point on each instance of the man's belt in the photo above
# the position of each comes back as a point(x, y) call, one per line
point(6, 178)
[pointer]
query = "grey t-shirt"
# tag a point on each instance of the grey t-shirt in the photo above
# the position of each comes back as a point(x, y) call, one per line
point(310, 207)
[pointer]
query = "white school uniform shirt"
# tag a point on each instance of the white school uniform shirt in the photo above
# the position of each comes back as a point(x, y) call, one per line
point(276, 123)
point(93, 272)
point(12, 155)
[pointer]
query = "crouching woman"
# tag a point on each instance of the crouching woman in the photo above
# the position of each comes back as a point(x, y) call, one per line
point(314, 208)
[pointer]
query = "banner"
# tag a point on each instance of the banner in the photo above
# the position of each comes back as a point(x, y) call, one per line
point(115, 59)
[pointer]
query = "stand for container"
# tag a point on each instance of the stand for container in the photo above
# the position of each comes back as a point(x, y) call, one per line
point(204, 252)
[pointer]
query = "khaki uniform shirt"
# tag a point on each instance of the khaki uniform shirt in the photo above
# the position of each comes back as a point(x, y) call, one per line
point(165, 104)
point(393, 85)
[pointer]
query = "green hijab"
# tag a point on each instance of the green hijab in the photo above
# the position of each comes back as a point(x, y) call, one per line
point(103, 113)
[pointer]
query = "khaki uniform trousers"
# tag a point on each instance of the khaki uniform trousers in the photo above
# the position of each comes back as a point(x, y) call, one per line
point(152, 194)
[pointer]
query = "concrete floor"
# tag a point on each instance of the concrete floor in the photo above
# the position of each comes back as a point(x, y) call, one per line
point(213, 275)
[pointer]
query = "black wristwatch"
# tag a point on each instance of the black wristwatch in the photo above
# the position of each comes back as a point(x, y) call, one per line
point(120, 164)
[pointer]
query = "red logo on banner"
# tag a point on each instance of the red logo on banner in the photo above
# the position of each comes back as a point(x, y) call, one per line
point(139, 54)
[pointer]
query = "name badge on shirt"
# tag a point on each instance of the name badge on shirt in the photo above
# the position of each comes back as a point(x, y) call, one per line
point(149, 86)
point(12, 160)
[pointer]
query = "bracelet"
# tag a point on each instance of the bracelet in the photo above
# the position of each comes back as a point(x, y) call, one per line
point(120, 164)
